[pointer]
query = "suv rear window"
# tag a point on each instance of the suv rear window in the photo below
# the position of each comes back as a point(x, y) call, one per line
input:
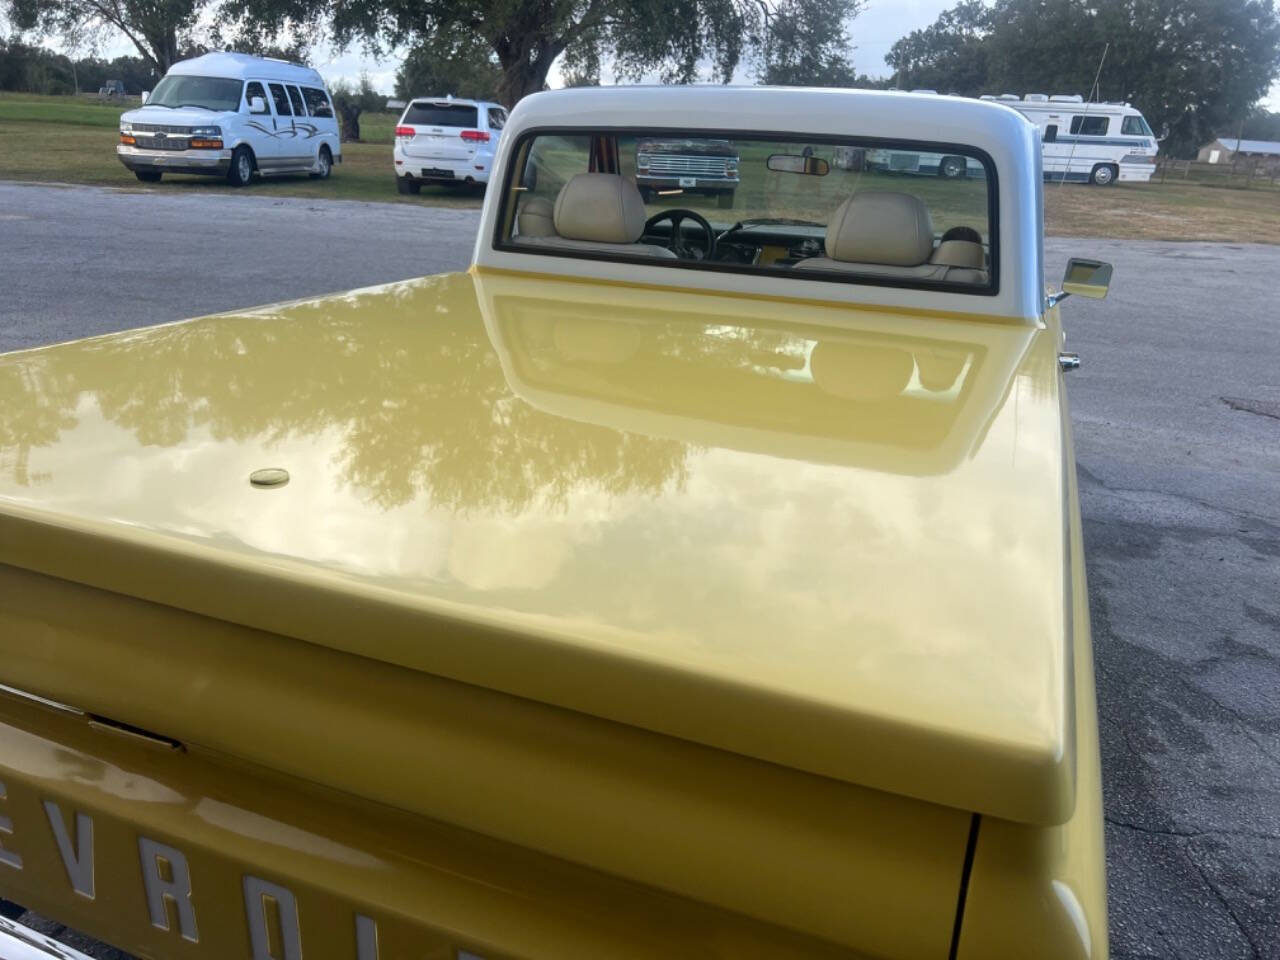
point(441, 115)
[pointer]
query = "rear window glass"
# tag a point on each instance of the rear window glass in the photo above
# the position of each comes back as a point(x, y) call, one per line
point(815, 209)
point(1089, 126)
point(441, 115)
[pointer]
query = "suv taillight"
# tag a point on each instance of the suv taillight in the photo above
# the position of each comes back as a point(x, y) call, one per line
point(405, 131)
point(474, 136)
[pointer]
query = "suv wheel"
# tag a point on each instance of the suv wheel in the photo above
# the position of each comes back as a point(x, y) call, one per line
point(1103, 175)
point(241, 171)
point(406, 186)
point(324, 165)
point(952, 167)
point(148, 176)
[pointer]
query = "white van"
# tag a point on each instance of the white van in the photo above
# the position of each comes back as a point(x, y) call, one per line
point(444, 140)
point(1096, 143)
point(231, 114)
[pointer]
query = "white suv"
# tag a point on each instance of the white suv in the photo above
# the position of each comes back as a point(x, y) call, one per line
point(446, 141)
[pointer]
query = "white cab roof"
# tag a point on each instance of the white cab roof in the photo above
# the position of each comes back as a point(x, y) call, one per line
point(243, 66)
point(1009, 138)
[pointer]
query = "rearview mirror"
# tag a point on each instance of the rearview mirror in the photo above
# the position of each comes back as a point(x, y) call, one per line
point(791, 163)
point(1087, 278)
point(257, 105)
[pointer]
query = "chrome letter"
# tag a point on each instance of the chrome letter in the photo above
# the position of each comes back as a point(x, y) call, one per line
point(261, 899)
point(78, 859)
point(366, 938)
point(177, 889)
point(6, 826)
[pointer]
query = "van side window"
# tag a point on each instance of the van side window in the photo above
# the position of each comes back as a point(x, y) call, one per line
point(281, 99)
point(1089, 126)
point(296, 99)
point(317, 102)
point(1051, 133)
point(497, 118)
point(254, 89)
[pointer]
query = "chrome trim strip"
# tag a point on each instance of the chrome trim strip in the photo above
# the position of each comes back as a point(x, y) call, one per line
point(22, 943)
point(44, 702)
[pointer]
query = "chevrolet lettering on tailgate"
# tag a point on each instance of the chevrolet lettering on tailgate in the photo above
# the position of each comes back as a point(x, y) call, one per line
point(698, 575)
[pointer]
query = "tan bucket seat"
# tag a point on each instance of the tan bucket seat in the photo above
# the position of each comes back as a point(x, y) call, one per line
point(595, 212)
point(891, 235)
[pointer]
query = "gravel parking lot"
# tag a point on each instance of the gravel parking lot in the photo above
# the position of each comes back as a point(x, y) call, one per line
point(1177, 428)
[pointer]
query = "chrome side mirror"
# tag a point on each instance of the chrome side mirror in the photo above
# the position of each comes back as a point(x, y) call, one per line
point(1086, 278)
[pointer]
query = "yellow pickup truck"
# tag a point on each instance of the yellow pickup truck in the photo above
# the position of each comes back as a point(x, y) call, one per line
point(676, 582)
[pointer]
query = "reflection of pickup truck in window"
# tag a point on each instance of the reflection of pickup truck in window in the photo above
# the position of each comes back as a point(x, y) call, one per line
point(660, 587)
point(691, 166)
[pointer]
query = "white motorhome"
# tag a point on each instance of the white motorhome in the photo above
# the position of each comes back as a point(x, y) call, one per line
point(1089, 142)
point(1097, 143)
point(232, 114)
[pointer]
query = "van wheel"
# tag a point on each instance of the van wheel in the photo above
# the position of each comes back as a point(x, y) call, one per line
point(951, 167)
point(406, 186)
point(148, 176)
point(241, 171)
point(324, 165)
point(1103, 175)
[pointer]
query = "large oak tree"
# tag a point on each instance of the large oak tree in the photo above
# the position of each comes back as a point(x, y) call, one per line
point(678, 40)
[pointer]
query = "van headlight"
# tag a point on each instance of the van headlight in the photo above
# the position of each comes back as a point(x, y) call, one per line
point(126, 126)
point(206, 131)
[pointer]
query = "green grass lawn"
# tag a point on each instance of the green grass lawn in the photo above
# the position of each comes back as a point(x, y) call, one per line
point(73, 140)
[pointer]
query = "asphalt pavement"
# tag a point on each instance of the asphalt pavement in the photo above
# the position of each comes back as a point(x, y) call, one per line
point(77, 261)
point(1176, 412)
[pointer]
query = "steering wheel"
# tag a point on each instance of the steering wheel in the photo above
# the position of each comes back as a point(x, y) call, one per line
point(676, 244)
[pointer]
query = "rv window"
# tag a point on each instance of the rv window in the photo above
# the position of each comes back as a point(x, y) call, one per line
point(282, 100)
point(1135, 127)
point(1089, 126)
point(254, 89)
point(1051, 133)
point(296, 99)
point(317, 102)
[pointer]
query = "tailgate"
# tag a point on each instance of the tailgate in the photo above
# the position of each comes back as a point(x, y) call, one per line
point(166, 853)
point(603, 840)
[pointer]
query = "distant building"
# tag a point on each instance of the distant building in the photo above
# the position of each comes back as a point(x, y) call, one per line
point(1226, 149)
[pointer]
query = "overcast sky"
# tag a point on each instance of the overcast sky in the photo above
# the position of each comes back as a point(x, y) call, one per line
point(874, 31)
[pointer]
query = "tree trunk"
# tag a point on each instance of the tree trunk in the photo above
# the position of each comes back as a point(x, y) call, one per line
point(524, 71)
point(349, 113)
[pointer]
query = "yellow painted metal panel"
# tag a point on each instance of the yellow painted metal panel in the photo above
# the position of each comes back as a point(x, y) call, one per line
point(823, 537)
point(428, 889)
point(849, 865)
point(1047, 886)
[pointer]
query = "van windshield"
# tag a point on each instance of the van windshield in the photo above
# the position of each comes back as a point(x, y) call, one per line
point(211, 93)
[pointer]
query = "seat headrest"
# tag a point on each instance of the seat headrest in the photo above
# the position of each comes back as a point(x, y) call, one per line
point(893, 229)
point(602, 207)
point(960, 253)
point(536, 217)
